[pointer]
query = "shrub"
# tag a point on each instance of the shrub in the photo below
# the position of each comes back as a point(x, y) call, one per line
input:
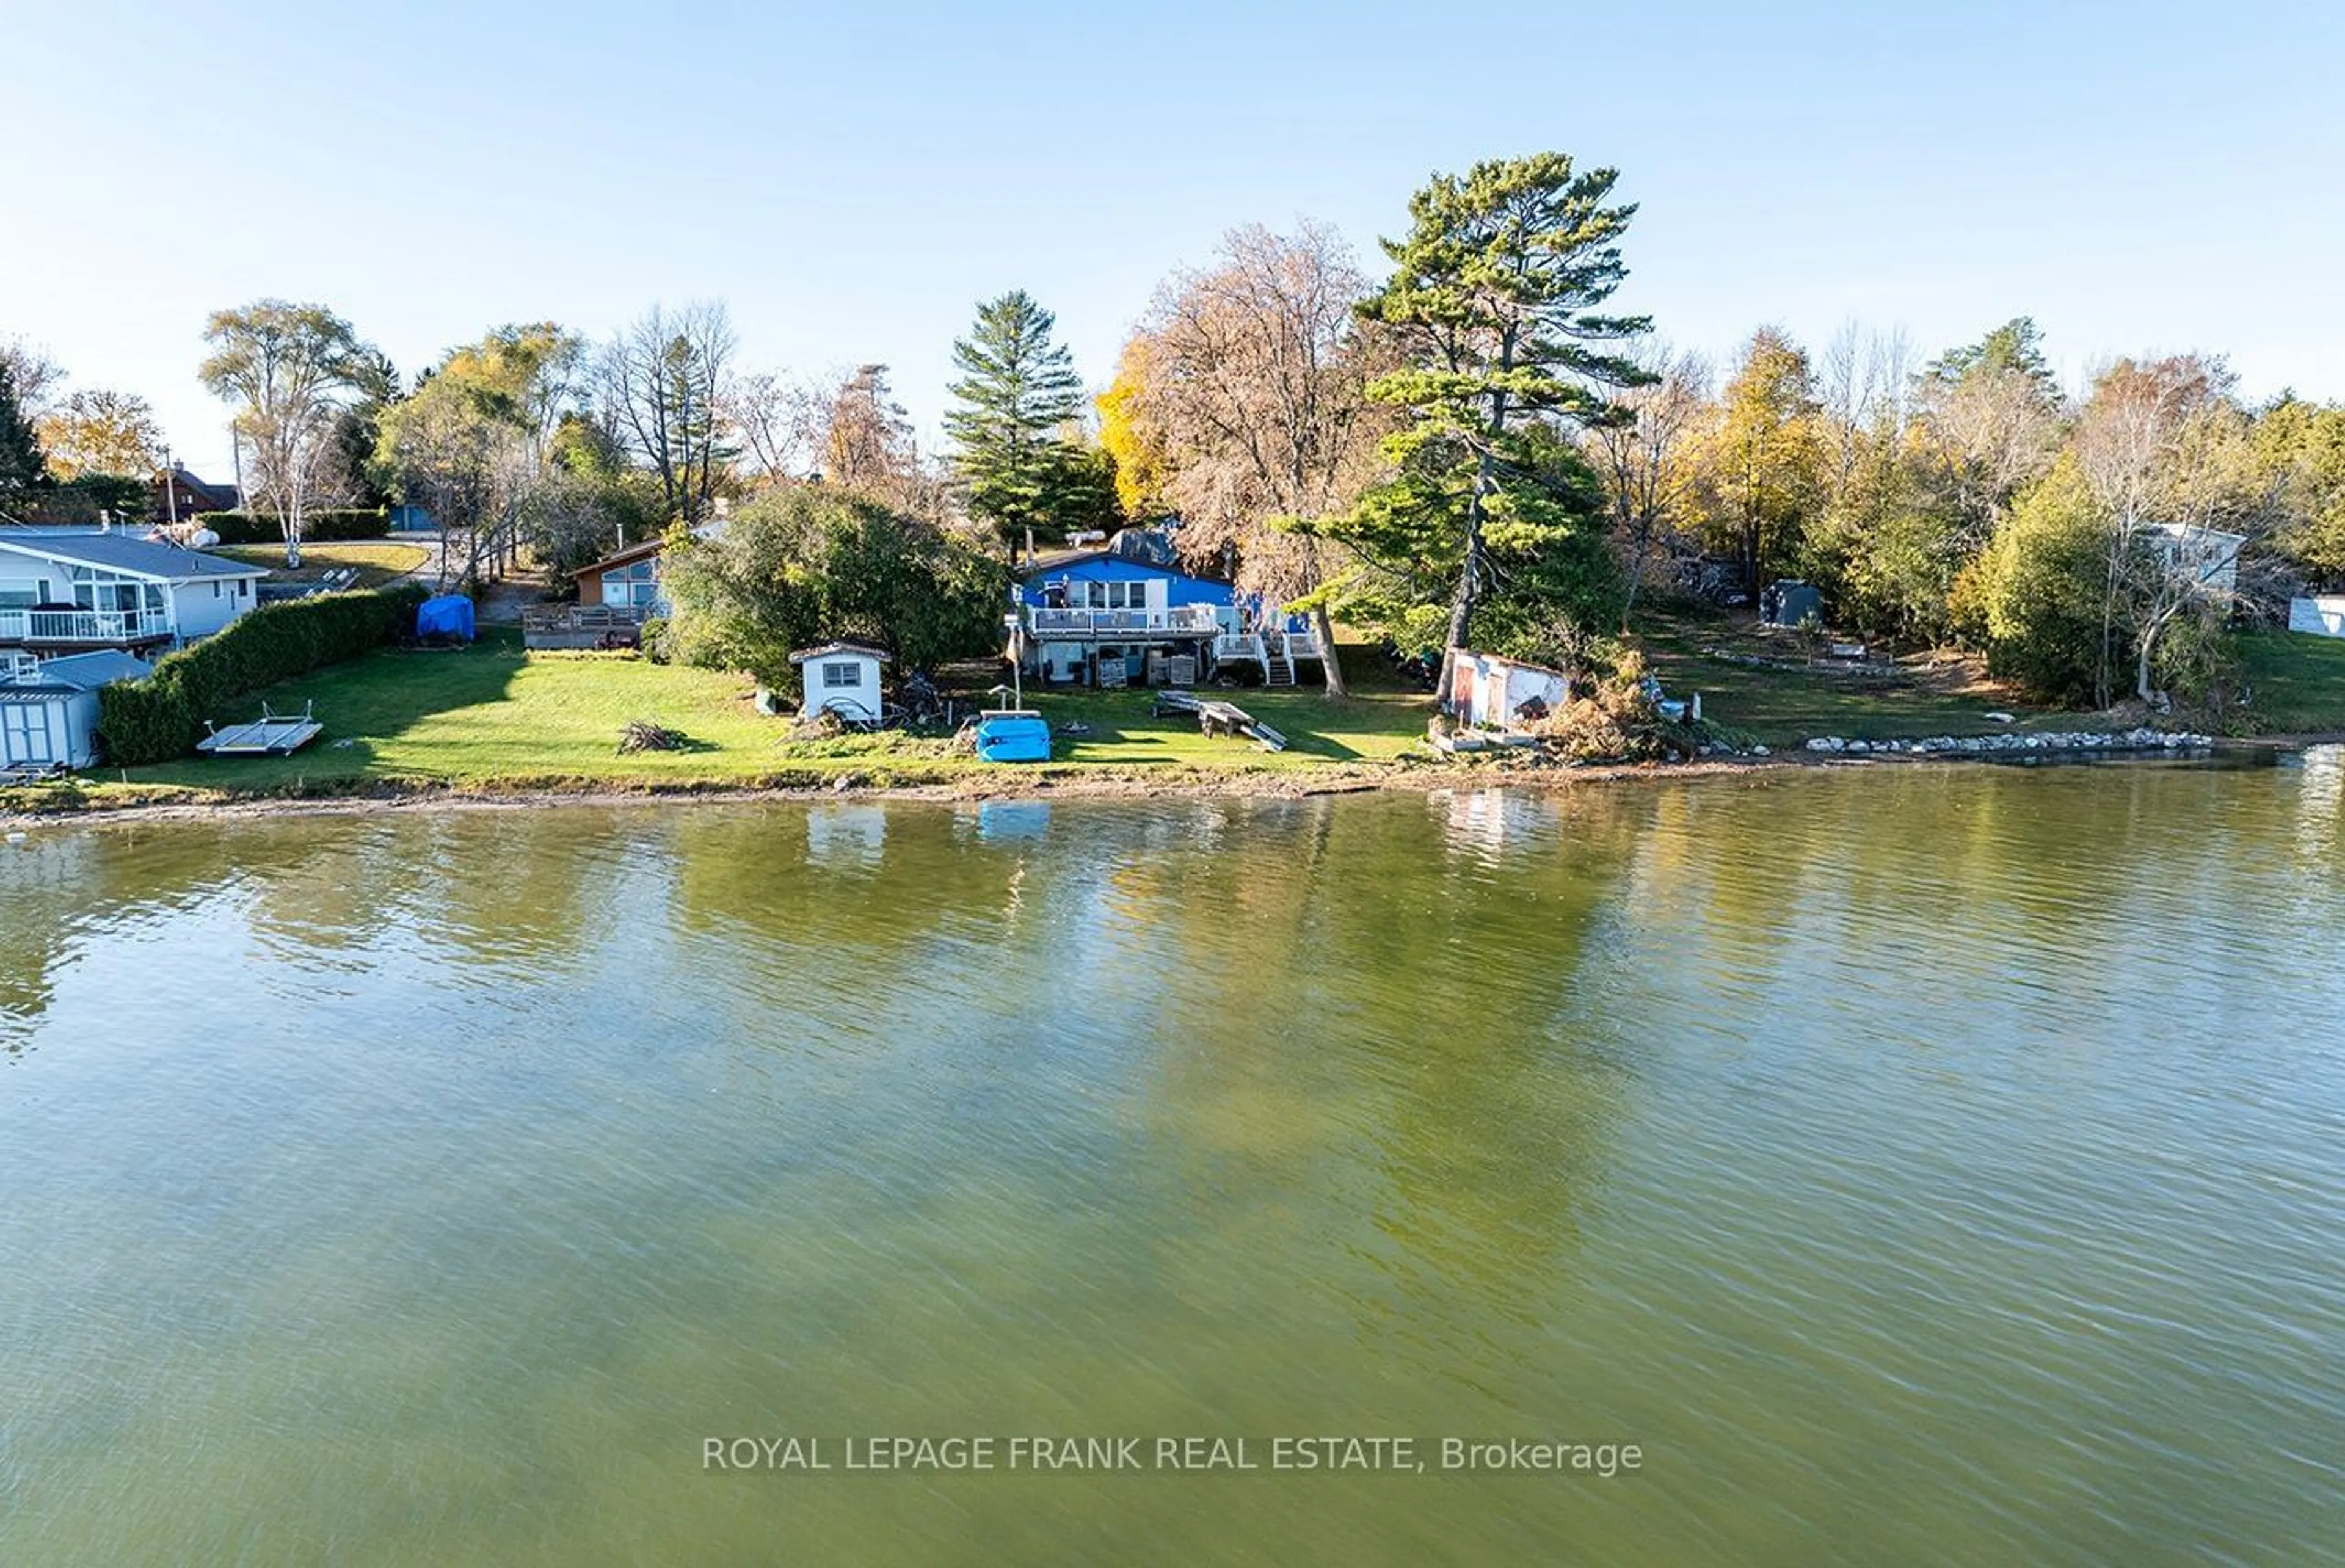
point(155, 720)
point(318, 527)
point(2036, 595)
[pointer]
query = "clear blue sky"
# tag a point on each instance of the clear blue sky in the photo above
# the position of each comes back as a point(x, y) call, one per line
point(852, 179)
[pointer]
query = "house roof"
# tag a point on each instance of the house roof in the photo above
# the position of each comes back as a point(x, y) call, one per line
point(198, 488)
point(137, 557)
point(633, 553)
point(74, 673)
point(709, 529)
point(1141, 546)
point(1105, 564)
point(88, 672)
point(803, 655)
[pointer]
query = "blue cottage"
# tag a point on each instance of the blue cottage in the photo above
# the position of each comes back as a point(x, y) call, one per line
point(1098, 615)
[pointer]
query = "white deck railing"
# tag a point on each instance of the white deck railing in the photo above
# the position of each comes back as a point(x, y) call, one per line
point(1190, 619)
point(1247, 646)
point(83, 625)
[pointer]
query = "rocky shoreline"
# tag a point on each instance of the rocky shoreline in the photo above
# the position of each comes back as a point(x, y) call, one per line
point(2141, 739)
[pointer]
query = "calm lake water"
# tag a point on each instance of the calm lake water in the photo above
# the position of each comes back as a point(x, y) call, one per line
point(1930, 1165)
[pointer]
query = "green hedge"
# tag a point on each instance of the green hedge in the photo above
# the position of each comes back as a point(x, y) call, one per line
point(157, 719)
point(318, 527)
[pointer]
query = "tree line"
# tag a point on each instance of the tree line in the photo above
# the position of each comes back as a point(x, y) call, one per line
point(2085, 542)
point(1469, 449)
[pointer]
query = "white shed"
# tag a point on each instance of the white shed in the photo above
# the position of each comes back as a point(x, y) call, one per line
point(843, 677)
point(48, 711)
point(1489, 688)
point(2317, 617)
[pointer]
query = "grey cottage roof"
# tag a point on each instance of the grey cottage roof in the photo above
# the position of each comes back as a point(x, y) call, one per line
point(75, 672)
point(139, 557)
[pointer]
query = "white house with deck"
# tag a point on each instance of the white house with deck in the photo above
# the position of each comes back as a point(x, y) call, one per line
point(1127, 612)
point(75, 592)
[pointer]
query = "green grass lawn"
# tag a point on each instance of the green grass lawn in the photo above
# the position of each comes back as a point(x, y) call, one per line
point(2295, 683)
point(1781, 706)
point(493, 717)
point(1369, 727)
point(378, 561)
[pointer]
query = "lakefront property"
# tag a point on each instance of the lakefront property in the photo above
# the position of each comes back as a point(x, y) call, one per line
point(1378, 899)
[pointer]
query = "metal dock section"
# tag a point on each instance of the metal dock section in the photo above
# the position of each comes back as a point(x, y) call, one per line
point(270, 735)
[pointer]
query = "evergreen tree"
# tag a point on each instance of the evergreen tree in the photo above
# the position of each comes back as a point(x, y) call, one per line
point(1492, 302)
point(2016, 345)
point(23, 469)
point(1018, 390)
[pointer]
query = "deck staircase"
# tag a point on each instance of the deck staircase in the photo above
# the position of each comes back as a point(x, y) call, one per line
point(1277, 669)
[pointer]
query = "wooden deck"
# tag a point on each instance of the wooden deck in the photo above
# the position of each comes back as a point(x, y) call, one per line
point(577, 626)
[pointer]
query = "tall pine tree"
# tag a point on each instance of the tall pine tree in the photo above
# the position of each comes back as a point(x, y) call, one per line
point(1492, 301)
point(1018, 390)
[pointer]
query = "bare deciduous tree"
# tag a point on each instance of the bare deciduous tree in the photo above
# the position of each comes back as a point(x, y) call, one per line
point(2167, 455)
point(779, 423)
point(662, 385)
point(1989, 433)
point(1642, 456)
point(1864, 386)
point(1257, 381)
point(35, 376)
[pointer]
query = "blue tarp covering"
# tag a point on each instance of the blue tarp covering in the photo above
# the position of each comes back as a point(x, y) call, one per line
point(450, 615)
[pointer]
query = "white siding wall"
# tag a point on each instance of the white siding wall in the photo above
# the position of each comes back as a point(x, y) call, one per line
point(860, 700)
point(203, 607)
point(1523, 684)
point(1499, 689)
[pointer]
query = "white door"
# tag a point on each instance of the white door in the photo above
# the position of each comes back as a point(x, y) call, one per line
point(25, 733)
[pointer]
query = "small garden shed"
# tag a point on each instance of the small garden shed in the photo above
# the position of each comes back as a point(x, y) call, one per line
point(842, 678)
point(48, 711)
point(1489, 688)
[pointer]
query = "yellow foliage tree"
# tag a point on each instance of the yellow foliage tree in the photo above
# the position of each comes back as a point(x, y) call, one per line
point(102, 432)
point(1131, 438)
point(1761, 456)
